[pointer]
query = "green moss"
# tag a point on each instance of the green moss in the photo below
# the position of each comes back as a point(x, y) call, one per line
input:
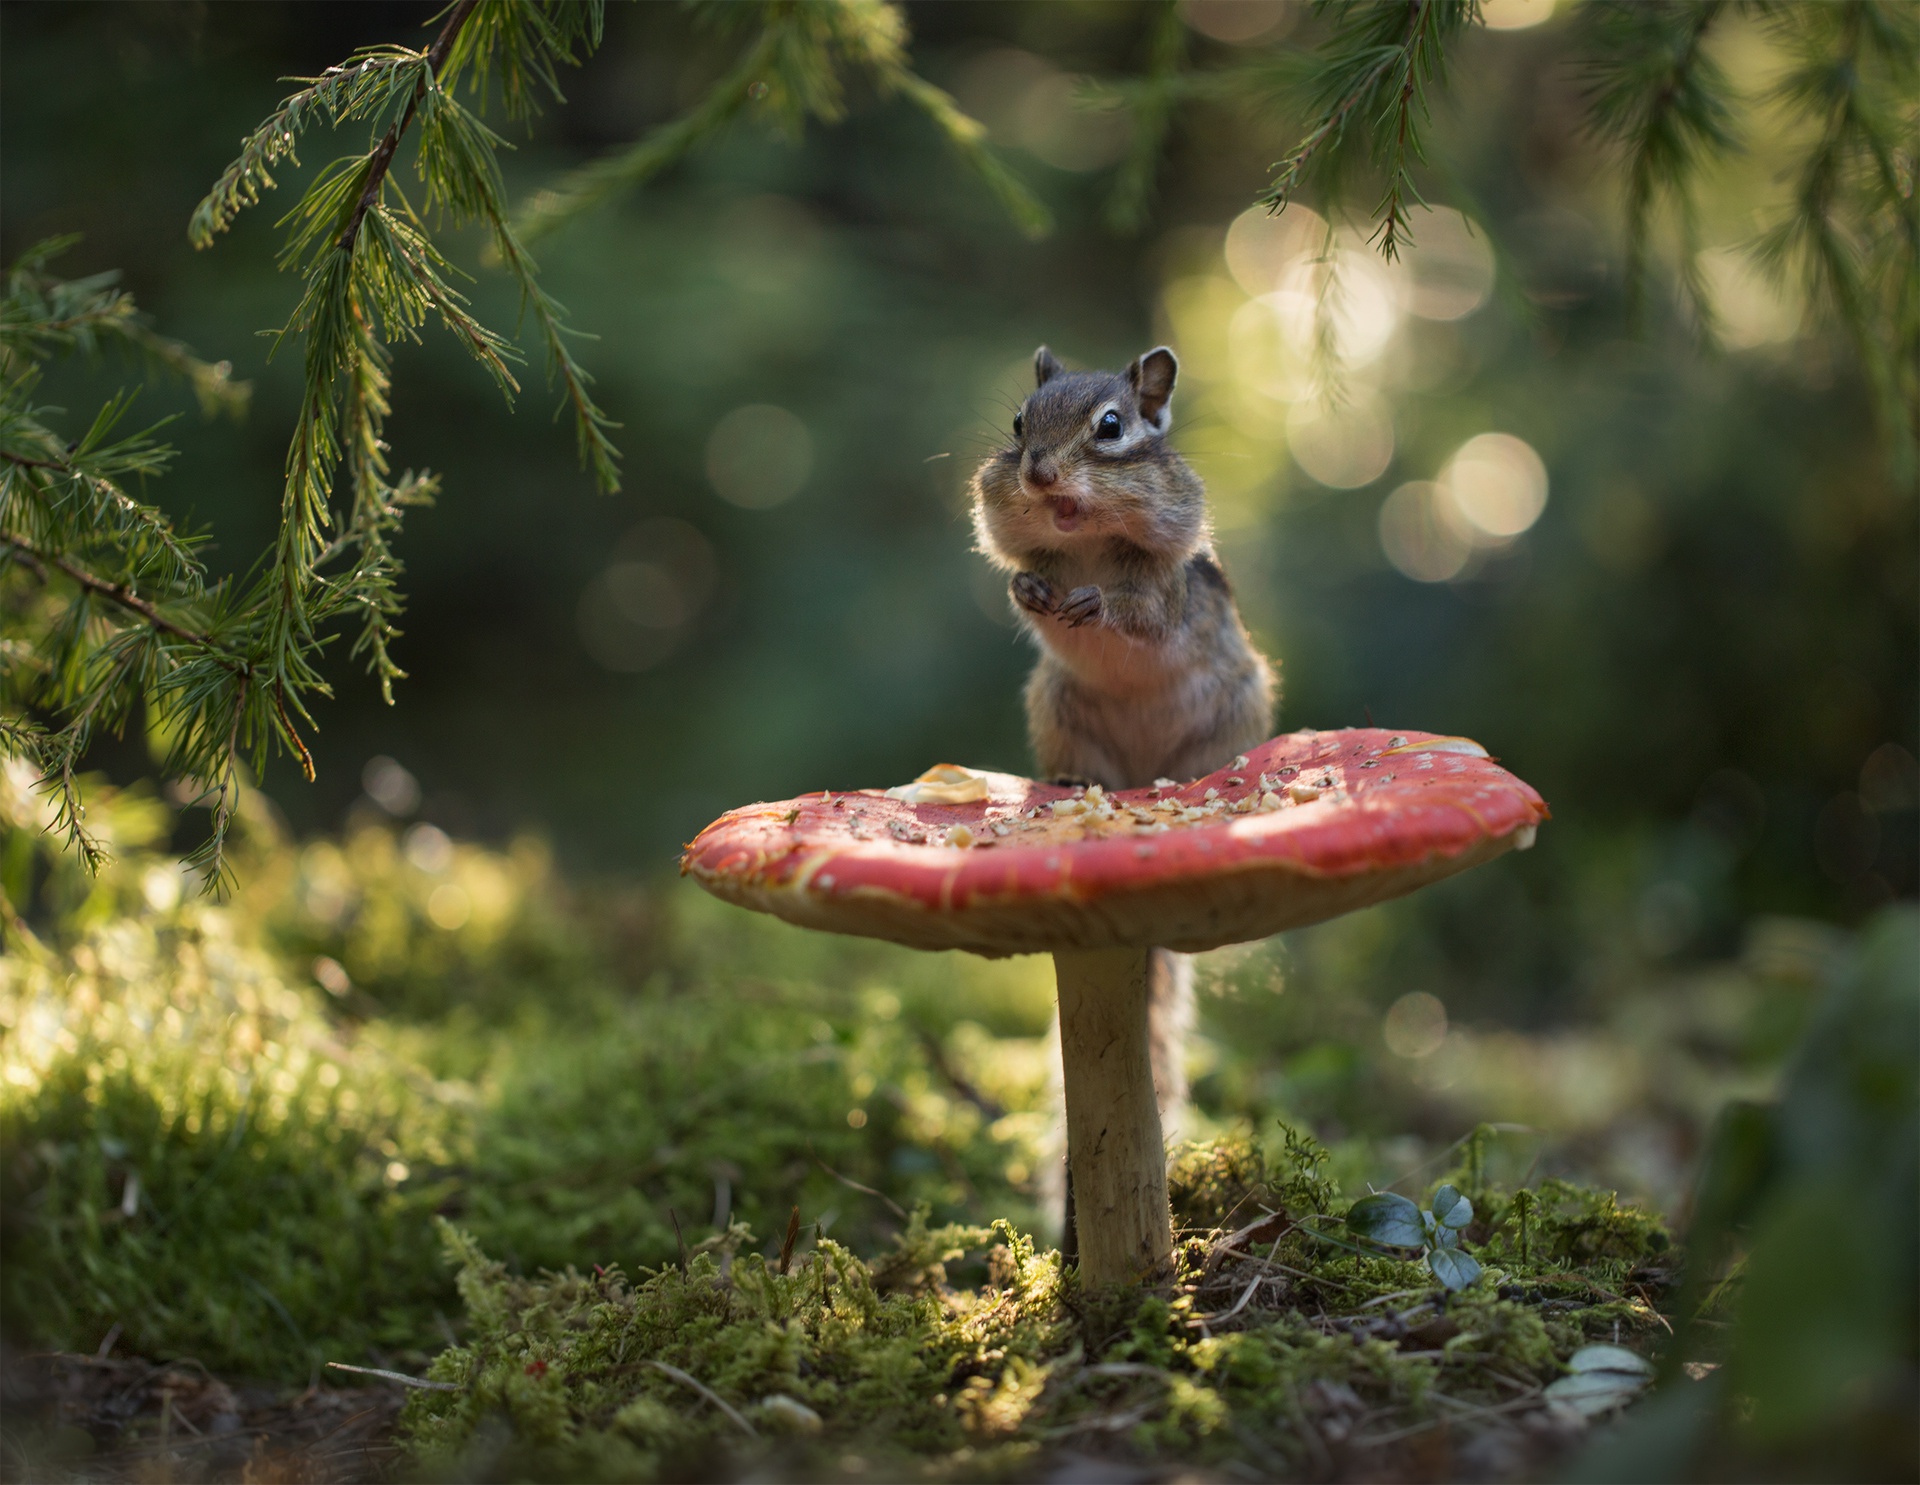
point(194, 1153)
point(915, 1376)
point(205, 1147)
point(568, 1376)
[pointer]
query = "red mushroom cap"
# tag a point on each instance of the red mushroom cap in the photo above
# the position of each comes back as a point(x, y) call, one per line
point(1306, 827)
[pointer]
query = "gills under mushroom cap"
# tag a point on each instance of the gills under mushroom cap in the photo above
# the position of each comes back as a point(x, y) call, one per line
point(1306, 827)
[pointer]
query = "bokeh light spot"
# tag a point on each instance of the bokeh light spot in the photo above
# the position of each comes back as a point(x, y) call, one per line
point(1497, 484)
point(1416, 1025)
point(449, 907)
point(1751, 310)
point(161, 886)
point(1890, 780)
point(1351, 294)
point(1342, 447)
point(1198, 312)
point(429, 848)
point(635, 612)
point(1417, 537)
point(332, 976)
point(389, 785)
point(1262, 247)
point(646, 593)
point(759, 456)
point(1240, 21)
point(1027, 101)
point(1515, 15)
point(1450, 267)
point(1266, 355)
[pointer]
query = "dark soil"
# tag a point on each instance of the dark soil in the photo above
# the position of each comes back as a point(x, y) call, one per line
point(89, 1418)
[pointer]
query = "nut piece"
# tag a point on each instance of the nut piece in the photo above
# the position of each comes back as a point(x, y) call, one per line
point(958, 835)
point(944, 783)
point(1303, 793)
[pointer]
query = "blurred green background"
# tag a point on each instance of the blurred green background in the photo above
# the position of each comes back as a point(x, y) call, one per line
point(1701, 648)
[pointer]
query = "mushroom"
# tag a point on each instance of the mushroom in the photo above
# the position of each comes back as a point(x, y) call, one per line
point(1303, 828)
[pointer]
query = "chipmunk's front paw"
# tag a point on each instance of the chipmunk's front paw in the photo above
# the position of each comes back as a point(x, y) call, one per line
point(1034, 593)
point(1082, 606)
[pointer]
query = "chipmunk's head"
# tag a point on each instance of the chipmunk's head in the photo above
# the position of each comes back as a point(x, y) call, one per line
point(1090, 458)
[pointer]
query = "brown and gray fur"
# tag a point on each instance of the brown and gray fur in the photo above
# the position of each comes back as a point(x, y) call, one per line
point(1145, 669)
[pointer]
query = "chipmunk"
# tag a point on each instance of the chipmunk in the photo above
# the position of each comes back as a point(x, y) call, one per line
point(1145, 669)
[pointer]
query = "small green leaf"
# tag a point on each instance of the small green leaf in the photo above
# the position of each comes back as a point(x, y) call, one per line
point(1453, 1268)
point(1388, 1219)
point(1451, 1208)
point(1445, 1237)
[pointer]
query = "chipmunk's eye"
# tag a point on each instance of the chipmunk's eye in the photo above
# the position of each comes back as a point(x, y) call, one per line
point(1019, 426)
point(1109, 426)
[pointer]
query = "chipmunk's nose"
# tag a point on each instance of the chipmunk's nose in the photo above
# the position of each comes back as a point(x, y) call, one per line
point(1042, 472)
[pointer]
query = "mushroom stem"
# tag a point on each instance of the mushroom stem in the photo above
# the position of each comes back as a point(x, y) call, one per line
point(1115, 1156)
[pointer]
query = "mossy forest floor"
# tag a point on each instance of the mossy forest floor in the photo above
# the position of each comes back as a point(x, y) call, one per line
point(959, 1353)
point(964, 1353)
point(645, 1188)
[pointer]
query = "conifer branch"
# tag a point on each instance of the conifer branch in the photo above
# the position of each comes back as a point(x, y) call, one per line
point(789, 73)
point(381, 161)
point(1853, 229)
point(966, 136)
point(292, 733)
point(39, 561)
point(372, 85)
point(1656, 94)
point(65, 750)
point(106, 623)
point(227, 791)
point(41, 316)
point(592, 184)
point(1151, 101)
point(1376, 66)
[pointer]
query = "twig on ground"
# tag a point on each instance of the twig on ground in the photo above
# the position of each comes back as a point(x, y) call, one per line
point(401, 1377)
point(849, 1182)
point(1238, 1305)
point(689, 1380)
point(793, 1236)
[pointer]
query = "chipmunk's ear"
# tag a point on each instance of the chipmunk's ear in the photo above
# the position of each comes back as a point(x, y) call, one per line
point(1152, 380)
point(1045, 367)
